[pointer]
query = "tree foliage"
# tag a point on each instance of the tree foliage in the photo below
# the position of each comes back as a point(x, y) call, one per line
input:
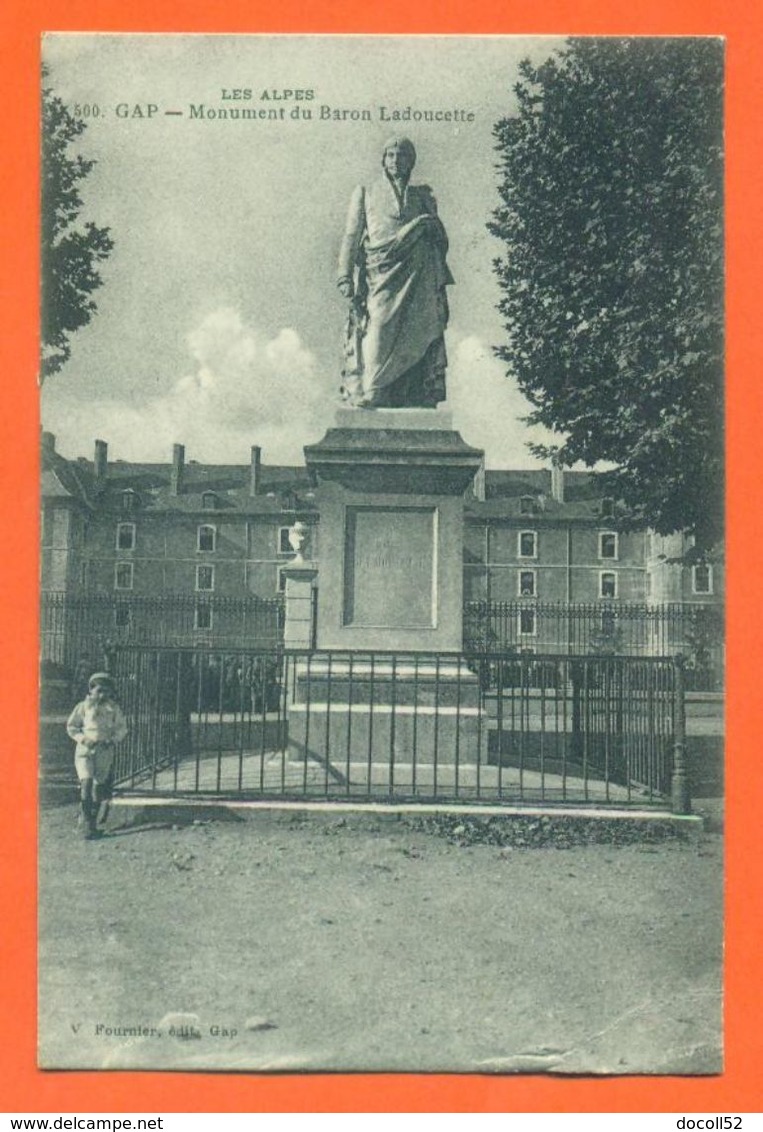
point(71, 251)
point(611, 182)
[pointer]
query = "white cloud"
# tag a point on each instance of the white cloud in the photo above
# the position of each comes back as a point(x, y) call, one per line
point(488, 408)
point(243, 390)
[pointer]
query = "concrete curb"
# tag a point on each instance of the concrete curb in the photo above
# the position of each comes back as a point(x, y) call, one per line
point(194, 808)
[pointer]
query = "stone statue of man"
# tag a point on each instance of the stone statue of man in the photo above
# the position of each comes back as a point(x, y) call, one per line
point(392, 269)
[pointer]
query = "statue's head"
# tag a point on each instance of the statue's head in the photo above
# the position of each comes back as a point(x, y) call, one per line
point(399, 157)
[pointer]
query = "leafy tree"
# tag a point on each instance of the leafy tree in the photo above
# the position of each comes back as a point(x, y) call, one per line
point(611, 181)
point(71, 252)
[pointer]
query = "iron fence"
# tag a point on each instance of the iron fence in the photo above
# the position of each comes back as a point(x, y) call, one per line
point(79, 632)
point(404, 727)
point(692, 630)
point(84, 628)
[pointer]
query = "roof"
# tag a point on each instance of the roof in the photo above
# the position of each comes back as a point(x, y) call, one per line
point(288, 487)
point(282, 487)
point(505, 490)
point(62, 479)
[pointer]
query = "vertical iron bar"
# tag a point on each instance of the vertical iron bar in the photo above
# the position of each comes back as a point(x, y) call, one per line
point(241, 674)
point(630, 704)
point(650, 726)
point(371, 697)
point(287, 677)
point(256, 681)
point(414, 741)
point(350, 690)
point(524, 715)
point(586, 723)
point(154, 727)
point(221, 681)
point(566, 689)
point(499, 719)
point(393, 695)
point(542, 729)
point(327, 737)
point(608, 694)
point(308, 697)
point(480, 710)
point(178, 722)
point(265, 672)
point(201, 728)
point(456, 772)
point(436, 722)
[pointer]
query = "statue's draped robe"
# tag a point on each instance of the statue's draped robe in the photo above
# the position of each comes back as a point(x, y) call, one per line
point(399, 245)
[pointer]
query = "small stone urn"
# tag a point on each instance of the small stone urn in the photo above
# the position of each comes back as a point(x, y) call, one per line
point(299, 536)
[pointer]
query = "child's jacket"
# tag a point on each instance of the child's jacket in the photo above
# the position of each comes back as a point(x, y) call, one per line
point(100, 722)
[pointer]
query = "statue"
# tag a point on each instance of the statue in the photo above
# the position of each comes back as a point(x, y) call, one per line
point(392, 269)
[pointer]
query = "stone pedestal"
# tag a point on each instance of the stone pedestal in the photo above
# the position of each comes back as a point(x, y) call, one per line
point(299, 619)
point(395, 721)
point(391, 485)
point(386, 688)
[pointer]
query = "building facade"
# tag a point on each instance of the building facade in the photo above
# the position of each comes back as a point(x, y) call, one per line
point(194, 552)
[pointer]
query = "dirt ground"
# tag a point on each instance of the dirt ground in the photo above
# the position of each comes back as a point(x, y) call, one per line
point(279, 941)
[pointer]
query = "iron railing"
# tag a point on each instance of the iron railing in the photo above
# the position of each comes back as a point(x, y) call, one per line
point(398, 726)
point(80, 631)
point(85, 627)
point(693, 630)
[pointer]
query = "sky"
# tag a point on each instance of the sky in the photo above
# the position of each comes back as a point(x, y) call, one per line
point(219, 323)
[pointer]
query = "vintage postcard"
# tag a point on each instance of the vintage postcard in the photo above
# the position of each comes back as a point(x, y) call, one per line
point(382, 569)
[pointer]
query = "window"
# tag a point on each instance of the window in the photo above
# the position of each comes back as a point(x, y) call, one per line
point(607, 584)
point(527, 505)
point(202, 616)
point(527, 583)
point(702, 579)
point(281, 586)
point(125, 536)
point(607, 544)
point(123, 576)
point(205, 578)
point(122, 616)
point(209, 500)
point(206, 537)
point(528, 544)
point(608, 507)
point(128, 499)
point(283, 541)
point(527, 623)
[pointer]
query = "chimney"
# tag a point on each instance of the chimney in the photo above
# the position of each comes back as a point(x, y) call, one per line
point(254, 477)
point(100, 460)
point(178, 457)
point(557, 482)
point(48, 443)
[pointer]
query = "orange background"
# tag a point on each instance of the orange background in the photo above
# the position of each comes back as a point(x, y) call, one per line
point(22, 1087)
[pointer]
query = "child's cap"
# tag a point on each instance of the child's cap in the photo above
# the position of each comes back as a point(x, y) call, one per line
point(105, 679)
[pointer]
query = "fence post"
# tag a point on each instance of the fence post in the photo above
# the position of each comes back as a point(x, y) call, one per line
point(299, 621)
point(679, 791)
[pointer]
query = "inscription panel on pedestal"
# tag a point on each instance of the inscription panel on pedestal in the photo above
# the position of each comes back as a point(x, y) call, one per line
point(390, 567)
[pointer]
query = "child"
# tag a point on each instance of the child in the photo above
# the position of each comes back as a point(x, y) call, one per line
point(96, 724)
